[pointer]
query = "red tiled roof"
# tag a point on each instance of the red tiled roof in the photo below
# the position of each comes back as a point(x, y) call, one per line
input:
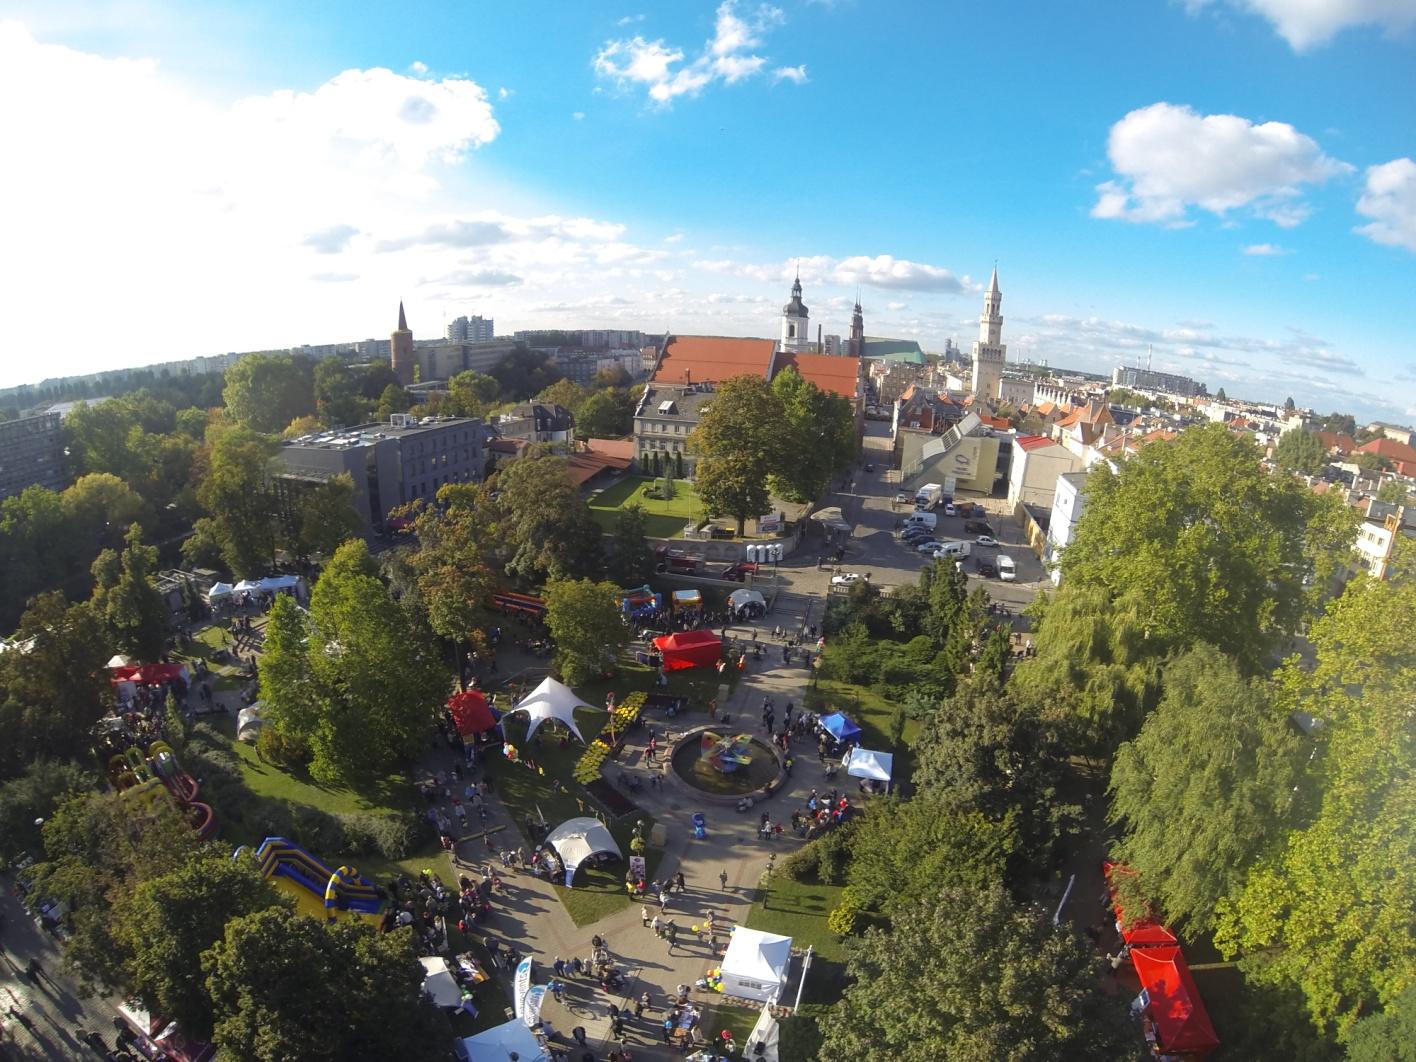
point(612, 447)
point(1033, 442)
point(584, 466)
point(713, 359)
point(1002, 423)
point(1390, 449)
point(827, 371)
point(1333, 440)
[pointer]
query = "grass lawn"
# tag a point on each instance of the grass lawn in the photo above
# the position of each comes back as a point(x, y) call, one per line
point(663, 519)
point(871, 713)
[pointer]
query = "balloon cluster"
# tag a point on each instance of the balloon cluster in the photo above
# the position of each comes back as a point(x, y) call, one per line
point(509, 751)
point(714, 979)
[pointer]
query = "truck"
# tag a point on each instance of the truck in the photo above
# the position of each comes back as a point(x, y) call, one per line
point(927, 497)
point(921, 519)
point(1007, 570)
point(676, 560)
point(955, 549)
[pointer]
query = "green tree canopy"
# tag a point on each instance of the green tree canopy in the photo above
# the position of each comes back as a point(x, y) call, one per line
point(339, 401)
point(354, 679)
point(454, 565)
point(323, 517)
point(1206, 545)
point(605, 414)
point(274, 971)
point(523, 373)
point(587, 626)
point(965, 974)
point(549, 532)
point(33, 794)
point(739, 443)
point(1300, 451)
point(1204, 787)
point(126, 599)
point(818, 441)
point(631, 562)
point(265, 392)
point(240, 521)
point(1389, 1036)
point(565, 393)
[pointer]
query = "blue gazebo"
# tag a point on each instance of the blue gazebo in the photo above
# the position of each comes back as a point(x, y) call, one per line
point(840, 727)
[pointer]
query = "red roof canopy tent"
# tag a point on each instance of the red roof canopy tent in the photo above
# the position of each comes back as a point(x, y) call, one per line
point(471, 713)
point(685, 649)
point(1146, 932)
point(1175, 1009)
point(149, 674)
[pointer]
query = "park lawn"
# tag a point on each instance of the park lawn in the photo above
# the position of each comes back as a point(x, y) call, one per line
point(872, 713)
point(663, 519)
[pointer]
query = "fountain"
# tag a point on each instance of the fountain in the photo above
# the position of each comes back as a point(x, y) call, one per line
point(724, 765)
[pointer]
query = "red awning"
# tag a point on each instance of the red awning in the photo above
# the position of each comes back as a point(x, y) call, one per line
point(1146, 931)
point(684, 649)
point(149, 674)
point(1181, 1024)
point(471, 713)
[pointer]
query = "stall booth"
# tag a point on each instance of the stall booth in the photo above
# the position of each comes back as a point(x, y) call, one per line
point(512, 1040)
point(840, 727)
point(439, 984)
point(471, 714)
point(747, 604)
point(685, 649)
point(755, 965)
point(1137, 929)
point(577, 840)
point(685, 599)
point(870, 765)
point(1175, 1019)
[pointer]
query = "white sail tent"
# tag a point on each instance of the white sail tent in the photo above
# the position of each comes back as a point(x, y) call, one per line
point(551, 700)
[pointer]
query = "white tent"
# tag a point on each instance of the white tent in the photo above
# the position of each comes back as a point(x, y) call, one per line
point(755, 966)
point(439, 983)
point(249, 722)
point(120, 661)
point(220, 590)
point(498, 1045)
point(761, 1043)
point(551, 700)
point(742, 598)
point(576, 840)
point(833, 518)
point(863, 763)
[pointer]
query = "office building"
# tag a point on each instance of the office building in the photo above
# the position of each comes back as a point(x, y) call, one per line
point(476, 329)
point(1138, 379)
point(32, 453)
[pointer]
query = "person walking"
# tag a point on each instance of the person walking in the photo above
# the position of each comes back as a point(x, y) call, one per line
point(671, 931)
point(644, 915)
point(559, 966)
point(656, 926)
point(723, 879)
point(642, 1005)
point(558, 990)
point(679, 884)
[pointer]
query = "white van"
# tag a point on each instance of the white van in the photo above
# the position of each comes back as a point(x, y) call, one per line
point(959, 550)
point(924, 520)
point(1007, 570)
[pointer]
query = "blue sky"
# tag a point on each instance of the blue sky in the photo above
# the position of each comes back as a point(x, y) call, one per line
point(1229, 182)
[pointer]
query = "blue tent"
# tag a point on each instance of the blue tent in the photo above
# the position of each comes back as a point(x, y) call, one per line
point(839, 726)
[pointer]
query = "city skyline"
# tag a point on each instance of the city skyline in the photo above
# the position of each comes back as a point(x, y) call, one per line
point(242, 178)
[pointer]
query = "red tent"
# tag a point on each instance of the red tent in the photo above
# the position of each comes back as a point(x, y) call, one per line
point(471, 713)
point(684, 649)
point(1181, 1025)
point(149, 674)
point(1146, 932)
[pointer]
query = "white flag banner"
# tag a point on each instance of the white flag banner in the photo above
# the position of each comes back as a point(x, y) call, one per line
point(521, 986)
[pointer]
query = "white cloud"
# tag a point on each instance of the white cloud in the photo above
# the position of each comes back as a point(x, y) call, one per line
point(629, 20)
point(1264, 250)
point(1389, 199)
point(882, 271)
point(1168, 159)
point(418, 67)
point(578, 116)
point(1305, 24)
point(795, 74)
point(728, 57)
point(674, 237)
point(895, 307)
point(505, 93)
point(331, 240)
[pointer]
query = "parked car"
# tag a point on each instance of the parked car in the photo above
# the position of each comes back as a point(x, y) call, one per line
point(847, 578)
point(986, 540)
point(738, 571)
point(870, 468)
point(916, 534)
point(928, 546)
point(986, 570)
point(978, 527)
point(949, 510)
point(902, 498)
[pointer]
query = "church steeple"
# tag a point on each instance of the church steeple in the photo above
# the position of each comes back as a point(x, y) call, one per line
point(403, 321)
point(989, 352)
point(795, 335)
point(857, 347)
point(400, 348)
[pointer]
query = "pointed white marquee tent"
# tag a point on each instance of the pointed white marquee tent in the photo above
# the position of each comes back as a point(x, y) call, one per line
point(755, 966)
point(551, 700)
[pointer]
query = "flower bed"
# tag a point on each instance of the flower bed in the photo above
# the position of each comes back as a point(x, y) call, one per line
point(587, 769)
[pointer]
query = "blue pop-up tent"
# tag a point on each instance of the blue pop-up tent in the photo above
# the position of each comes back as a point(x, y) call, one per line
point(840, 727)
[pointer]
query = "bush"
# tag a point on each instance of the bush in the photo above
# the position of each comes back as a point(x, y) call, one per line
point(276, 747)
point(393, 837)
point(843, 919)
point(834, 856)
point(803, 864)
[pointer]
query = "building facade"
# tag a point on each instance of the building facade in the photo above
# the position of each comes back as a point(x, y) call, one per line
point(666, 416)
point(475, 329)
point(1037, 462)
point(796, 325)
point(32, 454)
point(400, 345)
point(537, 422)
point(1138, 379)
point(989, 352)
point(391, 464)
point(1069, 500)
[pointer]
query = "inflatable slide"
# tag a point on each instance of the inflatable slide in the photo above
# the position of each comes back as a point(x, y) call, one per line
point(143, 779)
point(318, 890)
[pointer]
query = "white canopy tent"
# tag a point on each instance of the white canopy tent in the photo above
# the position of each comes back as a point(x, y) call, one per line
point(220, 590)
point(120, 661)
point(833, 518)
point(755, 966)
point(576, 840)
point(762, 1042)
point(742, 598)
point(269, 583)
point(863, 763)
point(551, 700)
point(439, 983)
point(249, 722)
point(499, 1044)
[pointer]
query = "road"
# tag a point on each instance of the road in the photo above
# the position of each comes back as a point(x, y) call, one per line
point(866, 503)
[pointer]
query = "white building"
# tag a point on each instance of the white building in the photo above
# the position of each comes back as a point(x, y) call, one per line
point(796, 328)
point(989, 351)
point(1032, 475)
point(1377, 535)
point(1068, 500)
point(1016, 390)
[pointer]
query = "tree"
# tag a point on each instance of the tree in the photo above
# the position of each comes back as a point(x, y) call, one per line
point(55, 687)
point(394, 399)
point(1393, 492)
point(1389, 1036)
point(1220, 396)
point(605, 415)
point(1368, 462)
point(453, 565)
point(818, 437)
point(240, 520)
point(1300, 451)
point(265, 392)
point(548, 527)
point(587, 626)
point(739, 441)
point(1340, 424)
point(353, 679)
point(965, 974)
point(564, 393)
point(324, 517)
point(100, 506)
point(471, 393)
point(631, 562)
point(523, 373)
point(167, 922)
point(126, 598)
point(1204, 787)
point(338, 401)
point(273, 969)
point(1328, 910)
point(1205, 545)
point(41, 787)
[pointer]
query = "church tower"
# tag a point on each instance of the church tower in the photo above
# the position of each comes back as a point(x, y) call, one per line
point(989, 351)
point(400, 347)
point(857, 345)
point(796, 338)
